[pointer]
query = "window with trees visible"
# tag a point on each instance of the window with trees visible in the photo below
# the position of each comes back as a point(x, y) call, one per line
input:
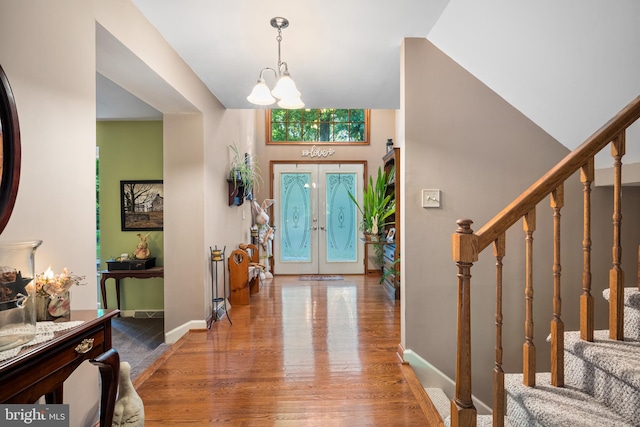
point(318, 126)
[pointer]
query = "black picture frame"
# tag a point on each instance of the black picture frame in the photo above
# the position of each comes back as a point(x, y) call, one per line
point(10, 151)
point(141, 205)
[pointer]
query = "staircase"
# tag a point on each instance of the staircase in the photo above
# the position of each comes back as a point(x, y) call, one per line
point(595, 375)
point(602, 383)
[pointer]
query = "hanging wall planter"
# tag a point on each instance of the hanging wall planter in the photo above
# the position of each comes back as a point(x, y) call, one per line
point(236, 192)
point(243, 178)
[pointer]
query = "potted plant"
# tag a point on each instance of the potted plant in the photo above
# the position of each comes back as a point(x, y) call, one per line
point(378, 204)
point(244, 174)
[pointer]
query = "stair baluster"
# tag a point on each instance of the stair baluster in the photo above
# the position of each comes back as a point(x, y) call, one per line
point(586, 299)
point(616, 274)
point(638, 268)
point(499, 398)
point(557, 326)
point(529, 348)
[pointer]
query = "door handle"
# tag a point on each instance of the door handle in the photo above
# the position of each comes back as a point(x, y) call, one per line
point(315, 227)
point(322, 228)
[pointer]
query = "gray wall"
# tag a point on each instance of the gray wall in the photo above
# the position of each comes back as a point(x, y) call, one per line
point(462, 138)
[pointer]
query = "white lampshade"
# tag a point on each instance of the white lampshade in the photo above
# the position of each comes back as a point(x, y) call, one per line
point(285, 88)
point(260, 95)
point(292, 103)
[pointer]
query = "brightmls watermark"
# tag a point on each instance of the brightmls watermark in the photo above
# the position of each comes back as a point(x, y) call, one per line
point(34, 415)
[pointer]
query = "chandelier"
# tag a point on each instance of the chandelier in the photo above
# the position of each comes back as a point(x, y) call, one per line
point(285, 89)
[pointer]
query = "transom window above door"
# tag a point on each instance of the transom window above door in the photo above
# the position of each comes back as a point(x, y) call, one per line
point(318, 126)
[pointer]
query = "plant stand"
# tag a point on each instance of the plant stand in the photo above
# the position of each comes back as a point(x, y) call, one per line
point(217, 257)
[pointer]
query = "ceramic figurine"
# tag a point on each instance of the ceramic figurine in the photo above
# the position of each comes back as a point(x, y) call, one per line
point(142, 251)
point(129, 409)
point(265, 235)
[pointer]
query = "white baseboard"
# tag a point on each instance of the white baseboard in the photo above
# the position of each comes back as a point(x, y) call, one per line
point(432, 377)
point(176, 333)
point(173, 335)
point(142, 314)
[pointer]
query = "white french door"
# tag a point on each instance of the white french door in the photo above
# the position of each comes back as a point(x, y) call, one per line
point(316, 221)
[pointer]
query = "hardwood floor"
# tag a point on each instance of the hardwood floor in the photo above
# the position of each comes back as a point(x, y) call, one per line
point(304, 353)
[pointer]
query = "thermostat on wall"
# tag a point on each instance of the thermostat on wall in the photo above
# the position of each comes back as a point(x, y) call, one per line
point(430, 198)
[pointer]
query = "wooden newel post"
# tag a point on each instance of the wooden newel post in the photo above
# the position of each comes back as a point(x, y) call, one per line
point(464, 245)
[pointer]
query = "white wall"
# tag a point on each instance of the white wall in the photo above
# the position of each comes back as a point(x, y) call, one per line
point(197, 131)
point(48, 50)
point(54, 89)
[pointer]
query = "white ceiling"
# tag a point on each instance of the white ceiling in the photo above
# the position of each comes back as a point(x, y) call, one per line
point(568, 66)
point(340, 53)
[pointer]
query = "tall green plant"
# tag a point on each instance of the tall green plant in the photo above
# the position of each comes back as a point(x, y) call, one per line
point(378, 203)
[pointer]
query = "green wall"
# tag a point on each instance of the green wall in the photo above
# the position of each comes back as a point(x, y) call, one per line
point(128, 151)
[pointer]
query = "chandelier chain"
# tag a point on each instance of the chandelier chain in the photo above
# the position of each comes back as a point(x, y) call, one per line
point(279, 39)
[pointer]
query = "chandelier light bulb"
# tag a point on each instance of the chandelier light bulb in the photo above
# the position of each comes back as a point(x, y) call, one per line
point(292, 103)
point(260, 95)
point(285, 88)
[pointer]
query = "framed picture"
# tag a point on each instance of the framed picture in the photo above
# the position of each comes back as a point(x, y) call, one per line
point(141, 205)
point(391, 235)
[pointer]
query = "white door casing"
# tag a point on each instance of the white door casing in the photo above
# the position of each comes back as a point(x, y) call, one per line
point(316, 222)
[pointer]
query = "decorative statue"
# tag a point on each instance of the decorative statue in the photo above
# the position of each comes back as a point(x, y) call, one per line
point(142, 251)
point(265, 234)
point(129, 409)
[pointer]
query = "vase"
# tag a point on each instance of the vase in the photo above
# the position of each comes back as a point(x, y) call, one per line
point(51, 308)
point(17, 306)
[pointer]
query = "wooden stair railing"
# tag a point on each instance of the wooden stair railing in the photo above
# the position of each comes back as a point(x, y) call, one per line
point(466, 246)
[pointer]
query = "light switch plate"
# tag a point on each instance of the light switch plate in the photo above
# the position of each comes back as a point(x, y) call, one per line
point(430, 198)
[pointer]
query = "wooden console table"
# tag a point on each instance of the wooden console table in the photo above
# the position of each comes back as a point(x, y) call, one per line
point(121, 274)
point(41, 370)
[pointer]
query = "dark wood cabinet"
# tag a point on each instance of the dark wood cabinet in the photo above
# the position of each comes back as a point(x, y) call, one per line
point(41, 369)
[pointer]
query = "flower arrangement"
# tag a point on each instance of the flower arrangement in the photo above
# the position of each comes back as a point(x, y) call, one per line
point(49, 284)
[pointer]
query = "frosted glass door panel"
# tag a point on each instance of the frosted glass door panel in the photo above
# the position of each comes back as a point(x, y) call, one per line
point(341, 218)
point(340, 250)
point(295, 217)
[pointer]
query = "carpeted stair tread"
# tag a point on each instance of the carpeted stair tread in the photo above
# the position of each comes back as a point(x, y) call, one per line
point(606, 369)
point(547, 406)
point(620, 358)
point(440, 401)
point(631, 312)
point(631, 297)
